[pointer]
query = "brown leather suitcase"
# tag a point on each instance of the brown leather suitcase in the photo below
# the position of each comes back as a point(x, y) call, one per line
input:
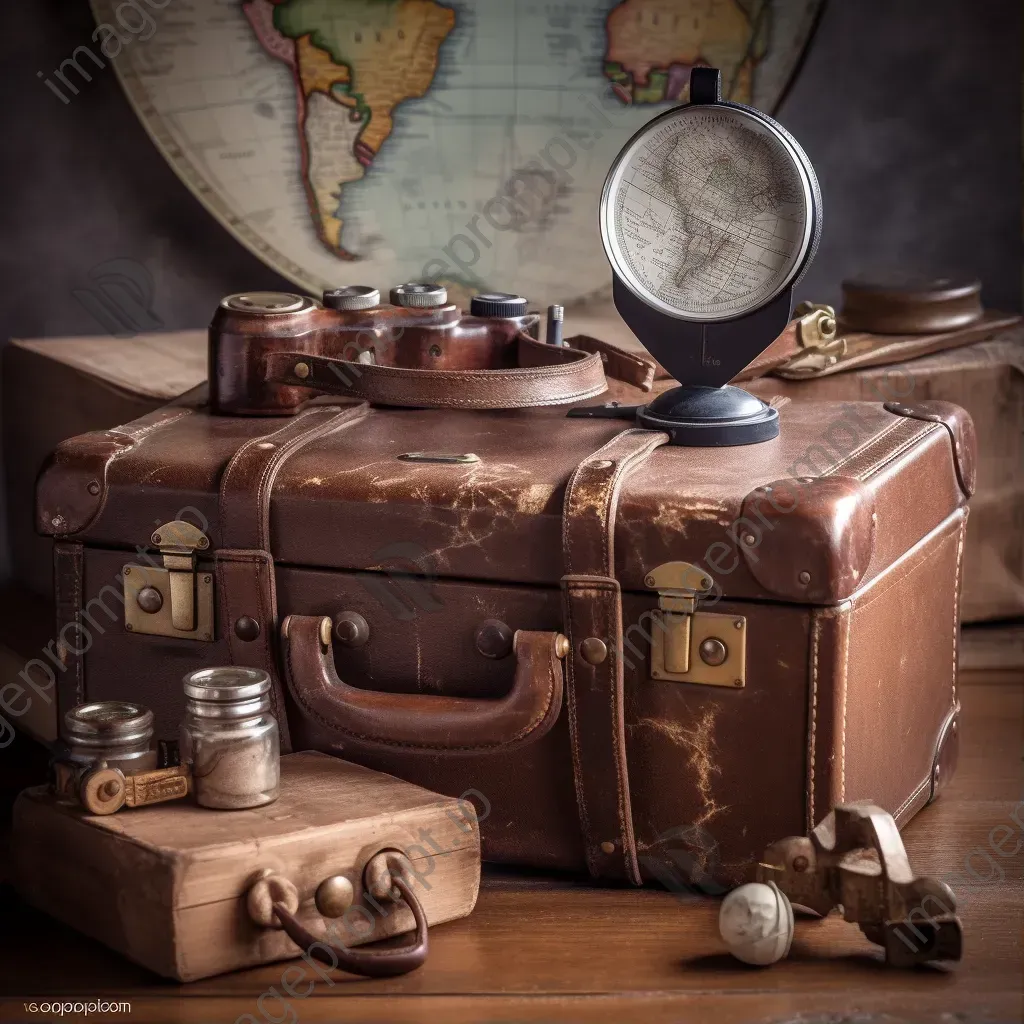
point(643, 660)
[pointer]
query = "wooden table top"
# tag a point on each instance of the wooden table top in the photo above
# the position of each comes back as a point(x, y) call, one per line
point(542, 949)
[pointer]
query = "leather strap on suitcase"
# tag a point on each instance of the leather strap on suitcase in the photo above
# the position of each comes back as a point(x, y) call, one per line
point(544, 375)
point(593, 621)
point(245, 566)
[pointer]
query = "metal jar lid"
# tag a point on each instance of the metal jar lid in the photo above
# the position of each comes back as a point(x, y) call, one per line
point(108, 722)
point(229, 684)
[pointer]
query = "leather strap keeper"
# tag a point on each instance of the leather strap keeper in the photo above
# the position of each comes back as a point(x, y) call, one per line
point(594, 674)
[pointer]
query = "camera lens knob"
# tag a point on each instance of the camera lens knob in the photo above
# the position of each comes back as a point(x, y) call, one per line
point(353, 296)
point(498, 304)
point(419, 296)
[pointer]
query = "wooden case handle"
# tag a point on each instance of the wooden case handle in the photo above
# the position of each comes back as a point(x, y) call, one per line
point(440, 724)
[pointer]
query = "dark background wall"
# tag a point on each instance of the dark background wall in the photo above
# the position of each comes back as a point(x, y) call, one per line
point(910, 111)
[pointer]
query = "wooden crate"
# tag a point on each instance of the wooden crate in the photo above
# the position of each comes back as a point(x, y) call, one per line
point(166, 885)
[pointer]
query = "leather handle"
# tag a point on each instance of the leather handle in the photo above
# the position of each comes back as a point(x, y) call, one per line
point(370, 963)
point(439, 724)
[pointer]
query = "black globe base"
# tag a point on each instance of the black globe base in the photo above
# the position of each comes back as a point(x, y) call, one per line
point(696, 416)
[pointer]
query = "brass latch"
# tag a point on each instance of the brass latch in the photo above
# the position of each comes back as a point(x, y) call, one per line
point(176, 600)
point(689, 645)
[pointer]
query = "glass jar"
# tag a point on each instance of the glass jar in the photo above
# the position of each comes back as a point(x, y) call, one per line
point(117, 732)
point(230, 739)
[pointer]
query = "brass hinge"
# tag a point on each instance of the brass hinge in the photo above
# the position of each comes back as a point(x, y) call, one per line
point(689, 645)
point(176, 600)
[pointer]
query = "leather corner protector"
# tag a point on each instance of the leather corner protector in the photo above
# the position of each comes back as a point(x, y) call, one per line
point(72, 486)
point(808, 539)
point(960, 426)
point(947, 753)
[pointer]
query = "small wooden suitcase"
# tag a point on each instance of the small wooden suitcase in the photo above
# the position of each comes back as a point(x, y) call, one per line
point(184, 891)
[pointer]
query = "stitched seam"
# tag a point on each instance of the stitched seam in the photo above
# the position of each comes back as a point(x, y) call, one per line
point(956, 602)
point(897, 453)
point(574, 739)
point(858, 451)
point(815, 638)
point(845, 626)
point(324, 721)
point(923, 557)
point(913, 796)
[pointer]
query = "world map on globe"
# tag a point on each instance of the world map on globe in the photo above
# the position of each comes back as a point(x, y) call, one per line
point(381, 141)
point(708, 213)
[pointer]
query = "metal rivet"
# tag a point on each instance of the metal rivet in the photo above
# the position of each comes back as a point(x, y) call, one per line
point(157, 538)
point(804, 577)
point(301, 370)
point(93, 487)
point(737, 682)
point(705, 583)
point(351, 629)
point(713, 652)
point(334, 896)
point(247, 629)
point(207, 579)
point(593, 650)
point(128, 626)
point(561, 646)
point(749, 539)
point(801, 863)
point(149, 599)
point(127, 570)
point(649, 581)
point(434, 350)
point(607, 847)
point(493, 639)
point(738, 623)
point(326, 629)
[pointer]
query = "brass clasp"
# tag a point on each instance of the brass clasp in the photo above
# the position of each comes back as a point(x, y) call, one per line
point(689, 645)
point(177, 600)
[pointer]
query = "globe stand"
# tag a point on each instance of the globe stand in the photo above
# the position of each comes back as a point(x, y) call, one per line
point(697, 416)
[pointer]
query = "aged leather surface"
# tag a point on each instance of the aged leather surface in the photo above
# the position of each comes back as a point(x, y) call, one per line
point(813, 556)
point(427, 552)
point(593, 612)
point(987, 379)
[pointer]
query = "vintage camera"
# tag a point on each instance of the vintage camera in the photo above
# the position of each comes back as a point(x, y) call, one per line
point(271, 352)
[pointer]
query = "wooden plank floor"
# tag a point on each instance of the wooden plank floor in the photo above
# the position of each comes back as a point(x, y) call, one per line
point(544, 949)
